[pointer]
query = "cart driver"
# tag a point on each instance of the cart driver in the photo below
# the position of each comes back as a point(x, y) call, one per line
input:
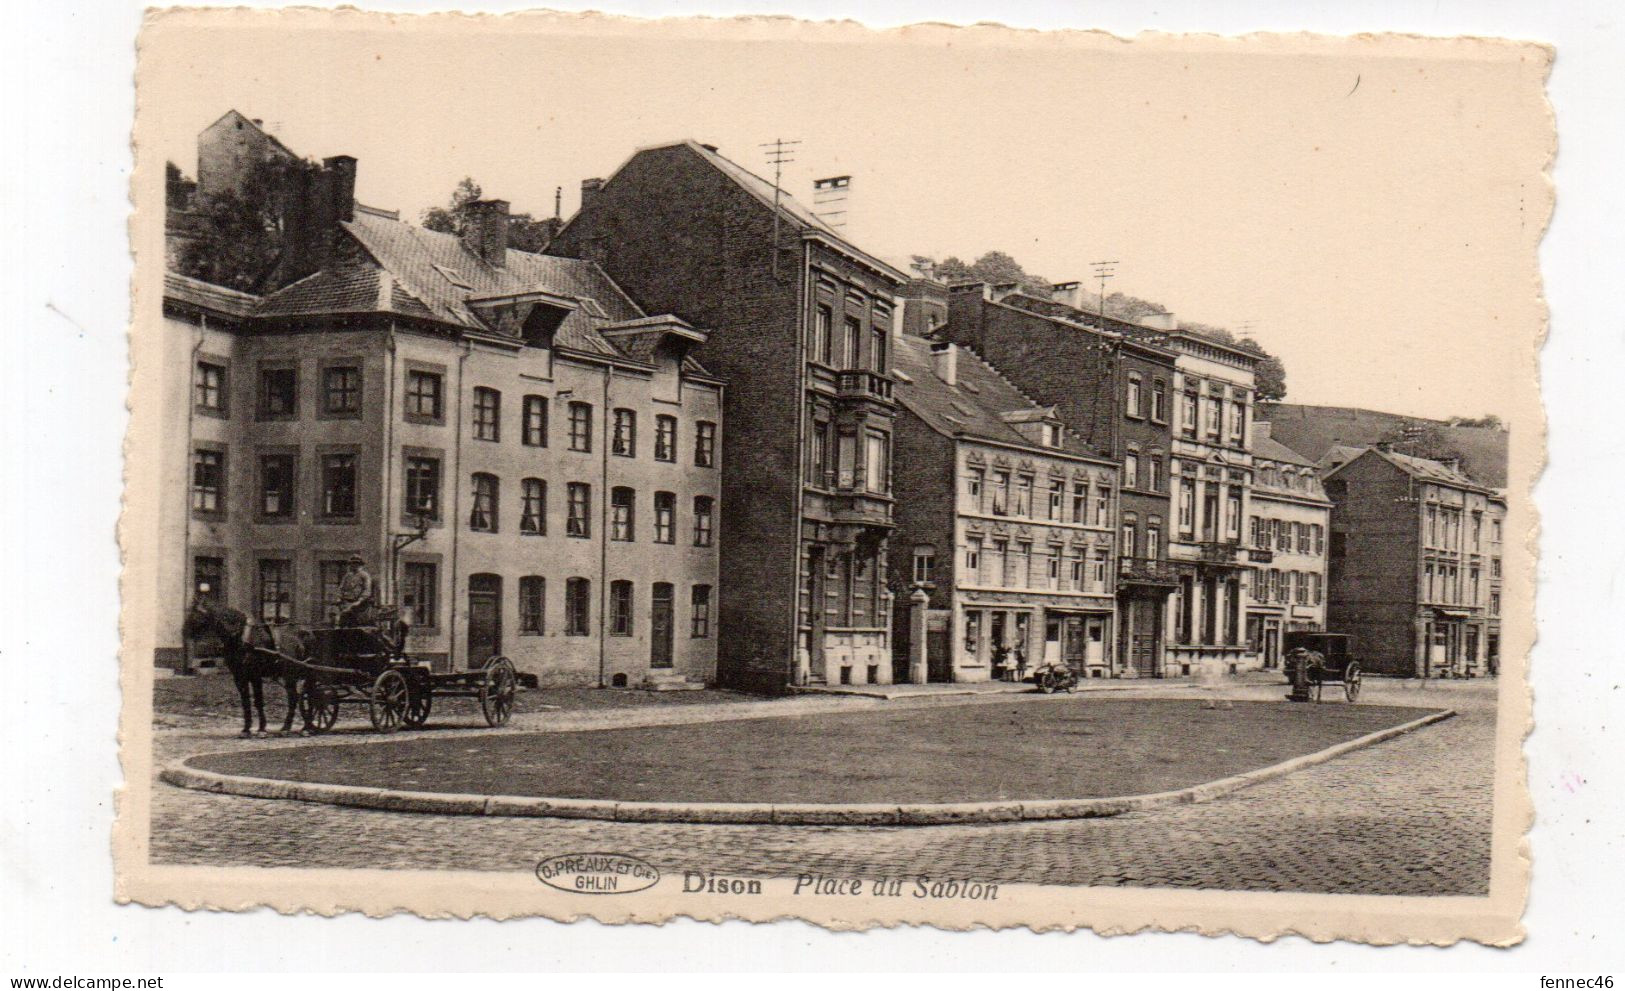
point(355, 594)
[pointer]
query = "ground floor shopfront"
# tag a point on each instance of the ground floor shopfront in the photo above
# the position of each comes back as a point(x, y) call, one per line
point(1267, 625)
point(1000, 637)
point(1455, 643)
point(1208, 620)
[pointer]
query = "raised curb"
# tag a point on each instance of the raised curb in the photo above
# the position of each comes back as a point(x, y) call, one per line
point(183, 775)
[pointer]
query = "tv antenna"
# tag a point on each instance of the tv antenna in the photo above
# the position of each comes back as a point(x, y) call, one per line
point(1104, 271)
point(780, 153)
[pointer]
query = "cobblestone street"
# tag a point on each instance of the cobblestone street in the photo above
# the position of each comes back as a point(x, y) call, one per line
point(1410, 816)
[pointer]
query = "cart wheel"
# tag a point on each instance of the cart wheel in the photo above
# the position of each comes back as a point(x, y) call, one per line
point(497, 691)
point(1351, 681)
point(388, 702)
point(321, 706)
point(1047, 683)
point(418, 706)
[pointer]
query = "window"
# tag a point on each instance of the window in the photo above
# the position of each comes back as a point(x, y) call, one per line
point(1159, 401)
point(1283, 534)
point(705, 444)
point(1232, 514)
point(665, 518)
point(620, 608)
point(423, 487)
point(1256, 531)
point(822, 323)
point(279, 393)
point(533, 507)
point(423, 395)
point(275, 598)
point(665, 438)
point(533, 421)
point(1300, 587)
point(341, 390)
point(1080, 502)
point(1131, 471)
point(1153, 475)
point(1314, 589)
point(487, 414)
point(1319, 538)
point(877, 469)
point(1051, 435)
point(1301, 530)
point(209, 578)
point(699, 611)
point(1079, 576)
point(1495, 603)
point(1132, 399)
point(208, 481)
point(581, 426)
point(1495, 567)
point(1187, 507)
point(1495, 531)
point(419, 588)
point(1427, 583)
point(703, 523)
point(877, 349)
point(532, 605)
point(209, 387)
point(625, 441)
point(1215, 409)
point(973, 558)
point(1024, 496)
point(276, 486)
point(577, 606)
point(1057, 500)
point(1001, 493)
point(620, 513)
point(1153, 538)
point(973, 489)
point(1097, 576)
point(846, 455)
point(1130, 522)
point(1188, 412)
point(482, 514)
point(578, 522)
point(999, 563)
point(820, 454)
point(1021, 565)
point(1103, 501)
point(1433, 526)
point(1238, 421)
point(850, 343)
point(1472, 585)
point(1052, 569)
point(925, 563)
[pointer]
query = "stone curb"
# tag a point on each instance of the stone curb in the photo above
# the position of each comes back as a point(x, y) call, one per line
point(183, 775)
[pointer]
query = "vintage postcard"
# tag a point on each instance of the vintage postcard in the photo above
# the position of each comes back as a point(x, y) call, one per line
point(591, 467)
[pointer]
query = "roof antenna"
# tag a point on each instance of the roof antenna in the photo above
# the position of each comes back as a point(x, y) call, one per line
point(1105, 270)
point(558, 202)
point(781, 154)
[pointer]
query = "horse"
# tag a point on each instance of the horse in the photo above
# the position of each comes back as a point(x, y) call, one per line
point(252, 654)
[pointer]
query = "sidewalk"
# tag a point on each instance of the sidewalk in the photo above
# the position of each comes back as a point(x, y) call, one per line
point(1249, 679)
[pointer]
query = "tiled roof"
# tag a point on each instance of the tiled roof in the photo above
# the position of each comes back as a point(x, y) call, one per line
point(974, 407)
point(208, 296)
point(1432, 471)
point(1271, 449)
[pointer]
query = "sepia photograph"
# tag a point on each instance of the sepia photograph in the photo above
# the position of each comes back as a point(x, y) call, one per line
point(586, 467)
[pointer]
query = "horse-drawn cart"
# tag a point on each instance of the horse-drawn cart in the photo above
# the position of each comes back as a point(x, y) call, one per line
point(1329, 660)
point(363, 666)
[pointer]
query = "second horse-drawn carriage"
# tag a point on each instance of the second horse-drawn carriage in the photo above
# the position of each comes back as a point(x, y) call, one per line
point(1328, 658)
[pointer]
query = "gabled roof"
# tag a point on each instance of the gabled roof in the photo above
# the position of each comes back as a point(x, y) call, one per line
point(790, 209)
point(1421, 469)
point(208, 296)
point(1271, 449)
point(976, 406)
point(243, 119)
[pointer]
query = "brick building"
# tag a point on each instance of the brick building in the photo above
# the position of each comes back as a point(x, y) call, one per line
point(524, 458)
point(1006, 520)
point(1112, 385)
point(802, 323)
point(1412, 560)
point(1288, 521)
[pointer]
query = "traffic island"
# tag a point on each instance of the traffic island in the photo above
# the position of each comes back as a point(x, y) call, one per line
point(1059, 759)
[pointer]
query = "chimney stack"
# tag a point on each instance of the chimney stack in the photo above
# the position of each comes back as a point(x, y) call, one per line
point(945, 361)
point(1070, 293)
point(485, 230)
point(589, 191)
point(340, 171)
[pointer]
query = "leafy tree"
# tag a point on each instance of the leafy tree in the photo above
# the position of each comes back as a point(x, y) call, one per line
point(1488, 420)
point(994, 268)
point(525, 232)
point(1269, 376)
point(238, 237)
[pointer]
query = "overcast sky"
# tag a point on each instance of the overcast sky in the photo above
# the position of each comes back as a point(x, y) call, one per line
point(1366, 218)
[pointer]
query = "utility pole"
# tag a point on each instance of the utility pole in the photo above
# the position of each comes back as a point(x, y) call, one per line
point(781, 153)
point(1104, 271)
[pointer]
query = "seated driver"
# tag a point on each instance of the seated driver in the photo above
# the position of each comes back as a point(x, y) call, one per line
point(355, 594)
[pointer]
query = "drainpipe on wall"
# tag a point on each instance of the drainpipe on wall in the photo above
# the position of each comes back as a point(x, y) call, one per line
point(386, 471)
point(796, 675)
point(187, 578)
point(451, 524)
point(604, 441)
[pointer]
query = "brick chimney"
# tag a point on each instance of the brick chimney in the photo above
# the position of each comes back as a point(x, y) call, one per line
point(945, 361)
point(339, 179)
point(589, 190)
point(485, 231)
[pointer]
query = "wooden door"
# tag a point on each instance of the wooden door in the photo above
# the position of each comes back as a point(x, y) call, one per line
point(1072, 645)
point(1147, 623)
point(484, 618)
point(660, 622)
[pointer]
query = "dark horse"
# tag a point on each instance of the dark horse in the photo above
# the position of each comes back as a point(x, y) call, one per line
point(252, 654)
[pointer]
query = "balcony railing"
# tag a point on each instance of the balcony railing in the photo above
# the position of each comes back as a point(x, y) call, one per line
point(856, 383)
point(1217, 552)
point(1146, 571)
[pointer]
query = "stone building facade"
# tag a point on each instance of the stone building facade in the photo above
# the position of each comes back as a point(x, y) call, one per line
point(1004, 519)
point(1112, 384)
point(1412, 559)
point(1288, 522)
point(802, 325)
point(526, 461)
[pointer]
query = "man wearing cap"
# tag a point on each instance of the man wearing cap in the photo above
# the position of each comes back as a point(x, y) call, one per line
point(355, 594)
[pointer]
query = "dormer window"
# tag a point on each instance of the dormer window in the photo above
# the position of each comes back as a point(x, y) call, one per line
point(1052, 435)
point(452, 277)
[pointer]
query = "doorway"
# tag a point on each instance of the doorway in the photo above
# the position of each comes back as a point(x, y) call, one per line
point(1145, 617)
point(1094, 642)
point(484, 618)
point(660, 623)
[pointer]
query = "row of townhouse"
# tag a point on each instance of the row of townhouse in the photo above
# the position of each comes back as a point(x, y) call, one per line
point(529, 451)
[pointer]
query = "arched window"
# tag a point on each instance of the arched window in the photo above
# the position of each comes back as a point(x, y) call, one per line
point(482, 515)
point(532, 605)
point(577, 606)
point(533, 507)
point(620, 608)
